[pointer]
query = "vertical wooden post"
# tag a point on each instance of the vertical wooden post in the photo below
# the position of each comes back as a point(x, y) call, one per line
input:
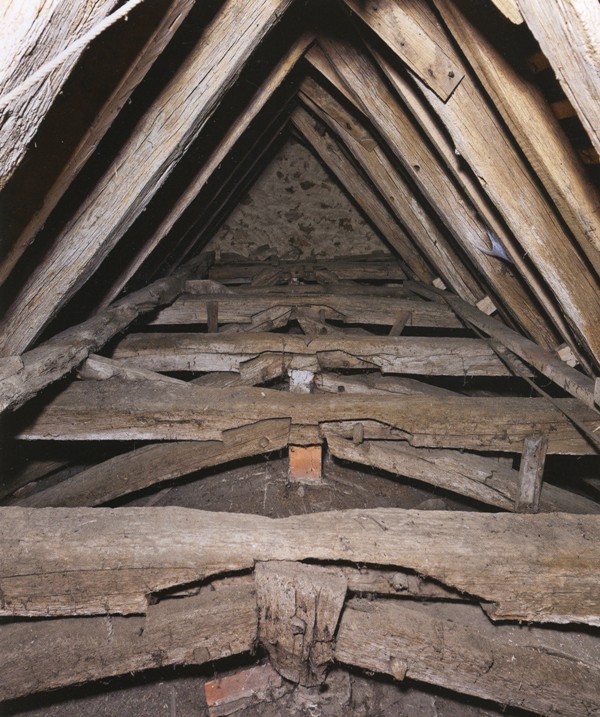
point(212, 316)
point(531, 473)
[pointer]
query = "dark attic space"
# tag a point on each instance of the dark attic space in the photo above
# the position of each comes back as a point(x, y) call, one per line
point(300, 358)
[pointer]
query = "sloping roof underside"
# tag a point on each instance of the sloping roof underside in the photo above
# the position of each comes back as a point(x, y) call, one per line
point(121, 164)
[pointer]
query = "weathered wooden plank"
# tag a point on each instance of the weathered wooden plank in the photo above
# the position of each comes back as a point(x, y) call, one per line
point(523, 106)
point(470, 475)
point(378, 102)
point(33, 34)
point(100, 368)
point(369, 201)
point(400, 196)
point(57, 357)
point(117, 410)
point(155, 464)
point(484, 145)
point(193, 188)
point(175, 14)
point(530, 474)
point(413, 42)
point(546, 362)
point(86, 560)
point(423, 355)
point(241, 307)
point(568, 32)
point(218, 622)
point(298, 611)
point(510, 10)
point(456, 648)
point(375, 383)
point(360, 269)
point(167, 129)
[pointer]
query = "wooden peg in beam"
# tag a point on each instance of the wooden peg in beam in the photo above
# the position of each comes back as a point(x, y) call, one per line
point(531, 473)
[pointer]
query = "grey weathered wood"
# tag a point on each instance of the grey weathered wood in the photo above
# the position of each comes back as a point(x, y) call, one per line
point(377, 384)
point(476, 477)
point(531, 473)
point(32, 36)
point(190, 193)
point(298, 611)
point(159, 38)
point(403, 202)
point(574, 382)
point(57, 357)
point(413, 42)
point(455, 647)
point(412, 355)
point(155, 464)
point(372, 95)
point(362, 269)
point(148, 410)
point(240, 308)
point(167, 129)
point(522, 106)
point(217, 623)
point(567, 31)
point(96, 560)
point(483, 144)
point(100, 368)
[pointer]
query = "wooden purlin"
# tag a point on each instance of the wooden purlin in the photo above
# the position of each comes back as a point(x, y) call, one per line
point(143, 164)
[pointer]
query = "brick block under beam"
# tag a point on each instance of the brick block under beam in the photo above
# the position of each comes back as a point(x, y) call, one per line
point(305, 464)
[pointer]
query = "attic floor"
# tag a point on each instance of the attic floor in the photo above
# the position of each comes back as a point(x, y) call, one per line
point(261, 486)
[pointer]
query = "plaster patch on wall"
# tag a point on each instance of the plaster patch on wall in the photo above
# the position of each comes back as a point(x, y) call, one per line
point(295, 210)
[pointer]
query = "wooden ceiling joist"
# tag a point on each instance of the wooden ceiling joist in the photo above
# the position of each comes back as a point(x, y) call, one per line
point(147, 410)
point(463, 550)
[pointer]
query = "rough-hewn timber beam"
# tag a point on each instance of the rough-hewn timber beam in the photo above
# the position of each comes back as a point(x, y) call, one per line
point(478, 477)
point(150, 410)
point(391, 184)
point(362, 193)
point(522, 107)
point(569, 35)
point(31, 36)
point(156, 43)
point(95, 560)
point(397, 354)
point(484, 145)
point(455, 647)
point(363, 309)
point(373, 96)
point(26, 375)
point(219, 622)
point(142, 166)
